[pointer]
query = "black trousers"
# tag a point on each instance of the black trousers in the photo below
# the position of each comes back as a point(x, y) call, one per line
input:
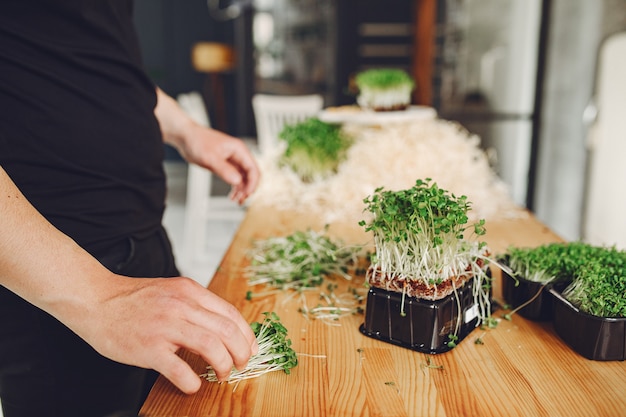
point(48, 371)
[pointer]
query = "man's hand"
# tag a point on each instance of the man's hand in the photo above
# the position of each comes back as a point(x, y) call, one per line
point(137, 321)
point(223, 154)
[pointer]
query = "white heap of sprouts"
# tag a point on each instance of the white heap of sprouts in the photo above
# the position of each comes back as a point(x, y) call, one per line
point(393, 155)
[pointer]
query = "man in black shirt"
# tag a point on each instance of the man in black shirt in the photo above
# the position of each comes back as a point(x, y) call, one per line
point(82, 192)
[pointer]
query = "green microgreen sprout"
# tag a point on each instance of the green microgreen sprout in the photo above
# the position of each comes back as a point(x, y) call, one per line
point(599, 286)
point(548, 263)
point(300, 260)
point(303, 262)
point(275, 352)
point(422, 238)
point(509, 316)
point(315, 149)
point(430, 365)
point(489, 323)
point(452, 340)
point(392, 384)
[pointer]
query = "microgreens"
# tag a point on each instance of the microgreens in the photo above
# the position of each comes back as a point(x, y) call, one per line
point(419, 233)
point(314, 148)
point(599, 285)
point(430, 365)
point(331, 306)
point(420, 236)
point(552, 262)
point(509, 315)
point(275, 352)
point(300, 260)
point(597, 274)
point(303, 262)
point(383, 78)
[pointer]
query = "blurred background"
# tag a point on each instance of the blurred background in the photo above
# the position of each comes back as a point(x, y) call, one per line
point(525, 75)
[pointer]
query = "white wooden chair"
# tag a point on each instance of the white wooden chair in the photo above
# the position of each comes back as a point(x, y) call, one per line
point(273, 112)
point(201, 207)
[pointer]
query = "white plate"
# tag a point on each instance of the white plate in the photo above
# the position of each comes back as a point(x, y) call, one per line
point(354, 114)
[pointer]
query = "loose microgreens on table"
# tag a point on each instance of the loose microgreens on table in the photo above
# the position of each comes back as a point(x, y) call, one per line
point(303, 262)
point(275, 352)
point(332, 306)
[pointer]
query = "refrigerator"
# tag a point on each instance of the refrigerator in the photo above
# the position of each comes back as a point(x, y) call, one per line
point(487, 76)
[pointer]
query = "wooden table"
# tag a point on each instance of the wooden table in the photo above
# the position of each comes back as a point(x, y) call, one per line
point(522, 369)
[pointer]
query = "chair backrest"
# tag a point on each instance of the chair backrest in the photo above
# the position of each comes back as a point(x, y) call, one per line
point(192, 103)
point(273, 112)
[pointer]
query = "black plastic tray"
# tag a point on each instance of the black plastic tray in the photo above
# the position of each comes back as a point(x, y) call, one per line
point(596, 338)
point(517, 291)
point(427, 324)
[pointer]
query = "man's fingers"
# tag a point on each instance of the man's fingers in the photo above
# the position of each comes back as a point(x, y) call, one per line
point(218, 340)
point(179, 373)
point(223, 308)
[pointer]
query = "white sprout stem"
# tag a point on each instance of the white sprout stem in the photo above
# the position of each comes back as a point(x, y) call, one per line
point(261, 363)
point(418, 259)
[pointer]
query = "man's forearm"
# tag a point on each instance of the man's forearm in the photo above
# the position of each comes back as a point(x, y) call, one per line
point(38, 262)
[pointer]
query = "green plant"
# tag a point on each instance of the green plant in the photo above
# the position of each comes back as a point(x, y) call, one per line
point(419, 233)
point(597, 274)
point(599, 284)
point(383, 78)
point(314, 148)
point(300, 260)
point(275, 352)
point(553, 262)
point(421, 243)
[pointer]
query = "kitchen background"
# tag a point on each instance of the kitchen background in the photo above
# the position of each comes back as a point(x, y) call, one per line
point(520, 73)
point(543, 82)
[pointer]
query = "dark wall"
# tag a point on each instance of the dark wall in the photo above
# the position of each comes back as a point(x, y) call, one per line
point(167, 29)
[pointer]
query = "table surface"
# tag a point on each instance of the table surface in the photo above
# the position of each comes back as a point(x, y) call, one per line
point(521, 369)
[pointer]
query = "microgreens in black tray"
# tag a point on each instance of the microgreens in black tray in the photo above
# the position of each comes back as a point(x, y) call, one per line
point(593, 278)
point(599, 284)
point(553, 262)
point(428, 255)
point(420, 236)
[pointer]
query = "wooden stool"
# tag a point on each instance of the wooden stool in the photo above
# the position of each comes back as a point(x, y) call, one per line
point(215, 60)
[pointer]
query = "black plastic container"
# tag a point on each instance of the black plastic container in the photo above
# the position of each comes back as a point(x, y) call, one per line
point(595, 338)
point(427, 325)
point(517, 291)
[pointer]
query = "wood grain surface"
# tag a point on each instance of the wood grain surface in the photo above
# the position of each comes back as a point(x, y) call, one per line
point(522, 369)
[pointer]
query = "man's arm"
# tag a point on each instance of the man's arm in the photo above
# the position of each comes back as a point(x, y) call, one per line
point(225, 155)
point(136, 321)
